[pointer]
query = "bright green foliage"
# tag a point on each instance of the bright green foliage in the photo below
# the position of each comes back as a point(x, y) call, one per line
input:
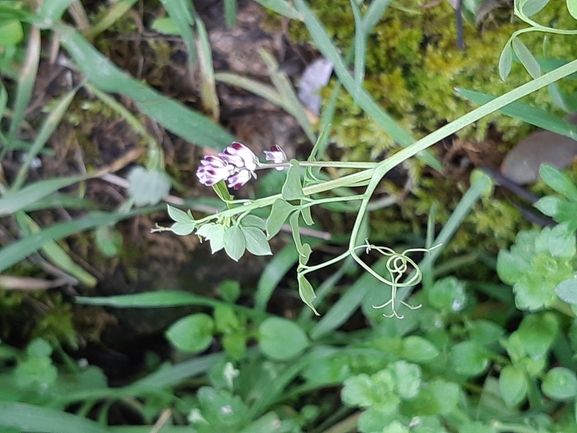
point(513, 385)
point(393, 395)
point(536, 264)
point(36, 370)
point(281, 339)
point(218, 411)
point(469, 358)
point(192, 333)
point(563, 209)
point(448, 294)
point(560, 384)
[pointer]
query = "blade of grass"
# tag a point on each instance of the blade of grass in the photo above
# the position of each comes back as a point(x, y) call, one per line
point(526, 113)
point(162, 299)
point(57, 200)
point(26, 197)
point(364, 100)
point(54, 253)
point(269, 93)
point(374, 14)
point(13, 253)
point(230, 10)
point(48, 127)
point(172, 375)
point(157, 299)
point(25, 84)
point(263, 90)
point(272, 274)
point(281, 7)
point(51, 10)
point(29, 418)
point(360, 50)
point(115, 12)
point(130, 118)
point(188, 124)
point(208, 85)
point(180, 12)
point(147, 429)
point(272, 392)
point(3, 100)
point(285, 88)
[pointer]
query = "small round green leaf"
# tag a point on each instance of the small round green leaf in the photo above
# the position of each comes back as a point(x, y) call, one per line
point(505, 62)
point(567, 291)
point(526, 58)
point(215, 234)
point(548, 205)
point(469, 358)
point(234, 242)
point(485, 331)
point(256, 241)
point(234, 344)
point(307, 293)
point(435, 398)
point(221, 410)
point(513, 385)
point(108, 240)
point(292, 188)
point(357, 391)
point(178, 215)
point(183, 229)
point(280, 212)
point(408, 378)
point(560, 383)
point(229, 290)
point(448, 294)
point(532, 7)
point(11, 32)
point(280, 339)
point(253, 221)
point(572, 7)
point(537, 332)
point(166, 26)
point(39, 347)
point(147, 187)
point(192, 333)
point(225, 319)
point(417, 349)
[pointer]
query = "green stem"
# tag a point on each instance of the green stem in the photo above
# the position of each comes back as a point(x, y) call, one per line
point(376, 174)
point(322, 164)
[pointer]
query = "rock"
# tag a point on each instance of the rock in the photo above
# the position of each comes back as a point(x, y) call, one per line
point(522, 163)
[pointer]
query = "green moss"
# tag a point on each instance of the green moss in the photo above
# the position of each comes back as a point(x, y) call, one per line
point(56, 324)
point(413, 66)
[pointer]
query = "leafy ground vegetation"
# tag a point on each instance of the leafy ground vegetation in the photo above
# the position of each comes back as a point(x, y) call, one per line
point(376, 277)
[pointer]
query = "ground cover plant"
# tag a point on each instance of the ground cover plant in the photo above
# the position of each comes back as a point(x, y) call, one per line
point(347, 327)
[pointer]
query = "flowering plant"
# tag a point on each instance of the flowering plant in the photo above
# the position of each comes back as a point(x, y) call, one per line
point(236, 229)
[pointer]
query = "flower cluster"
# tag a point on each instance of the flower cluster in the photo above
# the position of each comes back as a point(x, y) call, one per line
point(236, 165)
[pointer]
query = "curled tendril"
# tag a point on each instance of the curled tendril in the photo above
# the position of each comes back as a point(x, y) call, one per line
point(397, 264)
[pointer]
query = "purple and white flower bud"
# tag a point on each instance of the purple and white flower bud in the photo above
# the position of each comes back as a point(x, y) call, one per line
point(240, 156)
point(277, 155)
point(235, 164)
point(213, 169)
point(239, 179)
